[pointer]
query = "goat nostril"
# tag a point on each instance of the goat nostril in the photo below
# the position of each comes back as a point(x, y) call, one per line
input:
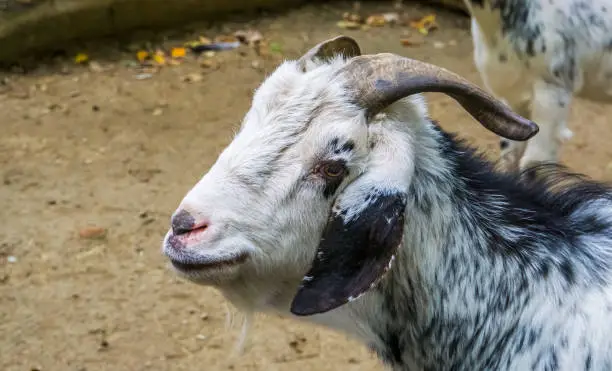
point(182, 222)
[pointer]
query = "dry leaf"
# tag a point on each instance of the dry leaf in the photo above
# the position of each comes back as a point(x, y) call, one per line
point(391, 17)
point(249, 37)
point(411, 41)
point(204, 40)
point(225, 39)
point(160, 57)
point(376, 20)
point(81, 58)
point(178, 52)
point(142, 55)
point(425, 24)
point(352, 17)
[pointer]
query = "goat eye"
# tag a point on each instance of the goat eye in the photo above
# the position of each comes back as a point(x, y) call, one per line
point(332, 169)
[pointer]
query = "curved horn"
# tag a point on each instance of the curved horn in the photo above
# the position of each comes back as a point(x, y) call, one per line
point(329, 48)
point(385, 78)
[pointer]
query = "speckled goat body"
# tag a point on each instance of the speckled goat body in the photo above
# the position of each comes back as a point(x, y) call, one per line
point(537, 55)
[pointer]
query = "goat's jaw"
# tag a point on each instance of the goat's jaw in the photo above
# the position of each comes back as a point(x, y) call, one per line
point(205, 265)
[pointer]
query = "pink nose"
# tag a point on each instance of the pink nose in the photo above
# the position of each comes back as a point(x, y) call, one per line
point(183, 222)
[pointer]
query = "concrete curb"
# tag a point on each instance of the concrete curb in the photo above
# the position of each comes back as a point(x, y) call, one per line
point(28, 26)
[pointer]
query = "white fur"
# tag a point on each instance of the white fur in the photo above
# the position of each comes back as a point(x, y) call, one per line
point(264, 198)
point(568, 40)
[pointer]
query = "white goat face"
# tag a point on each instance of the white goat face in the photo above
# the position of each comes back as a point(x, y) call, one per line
point(309, 186)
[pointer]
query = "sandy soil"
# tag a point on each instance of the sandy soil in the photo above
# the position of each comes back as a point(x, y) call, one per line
point(82, 148)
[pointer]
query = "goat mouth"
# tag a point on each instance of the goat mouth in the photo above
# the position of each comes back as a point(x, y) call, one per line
point(194, 265)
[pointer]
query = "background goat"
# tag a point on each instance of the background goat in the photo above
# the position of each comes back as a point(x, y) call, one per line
point(537, 54)
point(336, 178)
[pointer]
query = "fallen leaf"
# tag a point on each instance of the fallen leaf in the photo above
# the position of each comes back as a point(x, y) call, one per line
point(276, 47)
point(204, 40)
point(425, 24)
point(225, 39)
point(376, 20)
point(411, 41)
point(160, 57)
point(93, 233)
point(352, 17)
point(142, 55)
point(81, 58)
point(248, 37)
point(178, 52)
point(391, 17)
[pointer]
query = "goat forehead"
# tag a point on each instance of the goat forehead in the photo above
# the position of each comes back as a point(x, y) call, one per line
point(290, 97)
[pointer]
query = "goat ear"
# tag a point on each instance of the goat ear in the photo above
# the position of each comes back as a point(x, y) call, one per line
point(355, 252)
point(328, 49)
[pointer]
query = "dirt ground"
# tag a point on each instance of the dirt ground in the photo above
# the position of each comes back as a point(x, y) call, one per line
point(82, 147)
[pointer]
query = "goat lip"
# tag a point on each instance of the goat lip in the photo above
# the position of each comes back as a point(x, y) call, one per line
point(195, 265)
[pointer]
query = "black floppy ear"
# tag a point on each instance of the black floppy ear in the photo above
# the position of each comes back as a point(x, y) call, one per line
point(355, 252)
point(328, 49)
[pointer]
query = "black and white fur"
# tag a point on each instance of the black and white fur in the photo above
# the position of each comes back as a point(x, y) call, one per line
point(536, 55)
point(420, 249)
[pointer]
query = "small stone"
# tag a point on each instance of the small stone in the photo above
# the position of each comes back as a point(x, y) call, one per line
point(439, 45)
point(143, 76)
point(95, 67)
point(193, 77)
point(157, 111)
point(93, 233)
point(95, 108)
point(204, 316)
point(11, 259)
point(209, 64)
point(201, 337)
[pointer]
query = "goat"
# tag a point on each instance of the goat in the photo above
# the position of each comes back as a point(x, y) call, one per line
point(536, 55)
point(340, 202)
